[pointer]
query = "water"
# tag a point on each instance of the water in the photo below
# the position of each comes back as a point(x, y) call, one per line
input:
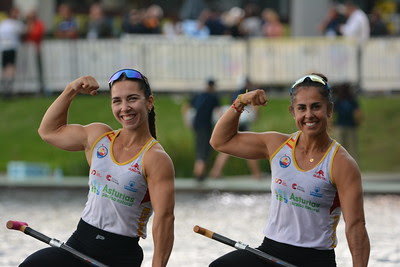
point(237, 216)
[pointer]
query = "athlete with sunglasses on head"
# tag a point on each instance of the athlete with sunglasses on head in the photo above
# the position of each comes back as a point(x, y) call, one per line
point(314, 180)
point(130, 176)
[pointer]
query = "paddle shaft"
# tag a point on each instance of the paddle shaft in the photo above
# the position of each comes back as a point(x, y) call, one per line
point(239, 245)
point(23, 227)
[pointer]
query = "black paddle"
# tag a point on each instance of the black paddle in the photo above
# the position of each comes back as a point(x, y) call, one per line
point(240, 245)
point(23, 227)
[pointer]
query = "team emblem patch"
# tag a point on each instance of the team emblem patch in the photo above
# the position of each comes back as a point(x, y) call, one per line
point(285, 161)
point(102, 152)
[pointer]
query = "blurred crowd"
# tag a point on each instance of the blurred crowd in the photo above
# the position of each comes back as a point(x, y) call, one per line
point(194, 19)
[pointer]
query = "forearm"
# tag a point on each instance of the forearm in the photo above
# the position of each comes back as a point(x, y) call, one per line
point(359, 245)
point(163, 236)
point(225, 129)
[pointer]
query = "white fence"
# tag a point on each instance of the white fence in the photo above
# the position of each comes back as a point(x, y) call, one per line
point(183, 64)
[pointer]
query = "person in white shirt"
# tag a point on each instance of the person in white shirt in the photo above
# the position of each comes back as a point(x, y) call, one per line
point(11, 31)
point(357, 24)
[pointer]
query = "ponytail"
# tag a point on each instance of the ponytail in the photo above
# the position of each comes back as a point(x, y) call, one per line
point(152, 123)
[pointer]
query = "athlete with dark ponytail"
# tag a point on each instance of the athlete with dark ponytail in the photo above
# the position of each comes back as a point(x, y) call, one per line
point(130, 176)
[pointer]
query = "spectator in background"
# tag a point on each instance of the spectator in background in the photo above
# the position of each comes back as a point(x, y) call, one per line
point(191, 9)
point(195, 28)
point(204, 104)
point(152, 20)
point(144, 21)
point(244, 125)
point(331, 23)
point(348, 117)
point(211, 18)
point(35, 28)
point(133, 21)
point(171, 26)
point(67, 27)
point(35, 31)
point(11, 31)
point(357, 24)
point(251, 24)
point(272, 26)
point(99, 26)
point(232, 19)
point(378, 26)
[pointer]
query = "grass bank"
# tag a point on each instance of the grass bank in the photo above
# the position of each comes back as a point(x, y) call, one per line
point(21, 117)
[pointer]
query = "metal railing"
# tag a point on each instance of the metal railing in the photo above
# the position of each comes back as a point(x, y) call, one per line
point(182, 64)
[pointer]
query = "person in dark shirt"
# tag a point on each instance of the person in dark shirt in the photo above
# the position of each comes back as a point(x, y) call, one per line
point(204, 103)
point(244, 125)
point(348, 116)
point(378, 26)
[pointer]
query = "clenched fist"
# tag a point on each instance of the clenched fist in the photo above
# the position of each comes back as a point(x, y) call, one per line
point(255, 98)
point(85, 85)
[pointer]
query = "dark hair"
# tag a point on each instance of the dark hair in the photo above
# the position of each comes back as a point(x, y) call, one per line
point(323, 89)
point(145, 87)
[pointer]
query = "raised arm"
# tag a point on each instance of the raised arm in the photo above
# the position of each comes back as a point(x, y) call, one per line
point(54, 127)
point(347, 177)
point(226, 138)
point(160, 177)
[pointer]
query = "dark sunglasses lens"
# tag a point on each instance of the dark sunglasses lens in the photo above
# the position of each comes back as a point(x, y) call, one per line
point(131, 74)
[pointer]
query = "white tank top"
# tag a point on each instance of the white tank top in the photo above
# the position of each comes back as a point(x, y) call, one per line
point(305, 208)
point(118, 199)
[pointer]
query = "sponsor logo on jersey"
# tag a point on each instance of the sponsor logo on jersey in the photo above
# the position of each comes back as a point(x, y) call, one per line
point(111, 193)
point(135, 168)
point(298, 187)
point(95, 187)
point(116, 196)
point(280, 181)
point(316, 192)
point(131, 186)
point(285, 161)
point(297, 201)
point(95, 173)
point(111, 179)
point(102, 151)
point(319, 175)
point(304, 203)
point(281, 196)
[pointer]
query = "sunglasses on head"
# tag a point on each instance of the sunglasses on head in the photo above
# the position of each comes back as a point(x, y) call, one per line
point(129, 73)
point(311, 77)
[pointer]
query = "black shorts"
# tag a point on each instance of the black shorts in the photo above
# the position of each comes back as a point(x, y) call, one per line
point(8, 57)
point(295, 255)
point(105, 247)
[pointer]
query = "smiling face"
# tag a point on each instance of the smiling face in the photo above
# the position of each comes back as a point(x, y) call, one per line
point(129, 105)
point(311, 111)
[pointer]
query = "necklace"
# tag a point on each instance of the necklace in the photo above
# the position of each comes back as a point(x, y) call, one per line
point(312, 159)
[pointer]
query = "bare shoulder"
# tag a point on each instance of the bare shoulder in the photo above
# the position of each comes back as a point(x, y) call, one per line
point(158, 160)
point(95, 130)
point(274, 140)
point(276, 137)
point(345, 169)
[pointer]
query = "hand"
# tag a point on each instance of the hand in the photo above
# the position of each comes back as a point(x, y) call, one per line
point(255, 98)
point(85, 85)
